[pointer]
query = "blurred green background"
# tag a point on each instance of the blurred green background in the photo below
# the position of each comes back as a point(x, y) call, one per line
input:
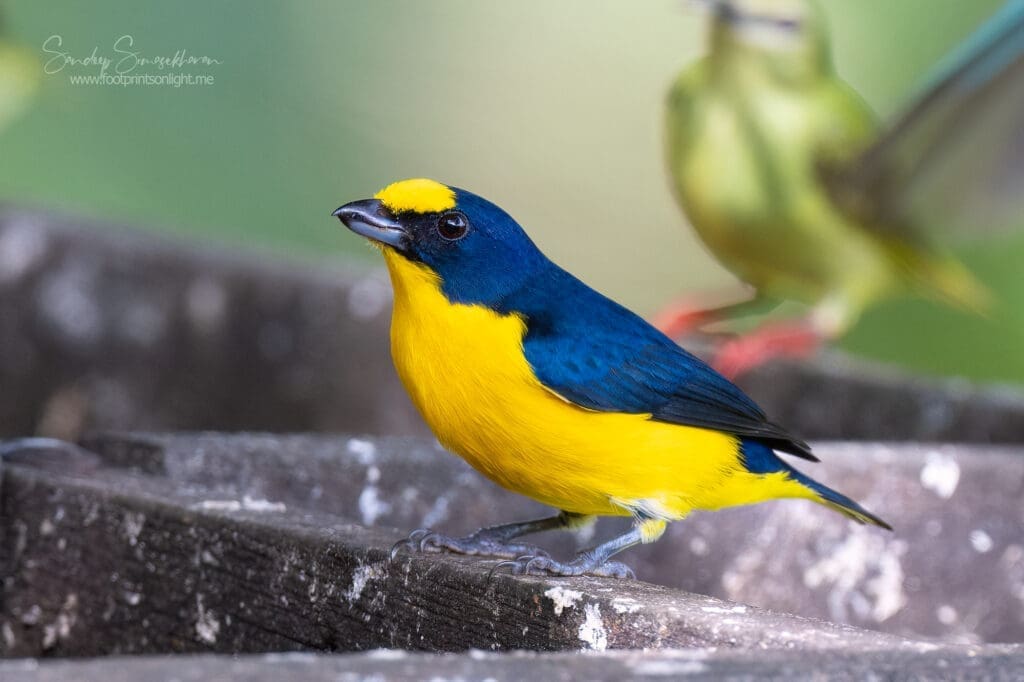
point(553, 109)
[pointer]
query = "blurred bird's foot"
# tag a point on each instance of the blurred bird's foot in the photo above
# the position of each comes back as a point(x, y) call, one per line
point(690, 313)
point(585, 563)
point(480, 543)
point(786, 339)
point(682, 317)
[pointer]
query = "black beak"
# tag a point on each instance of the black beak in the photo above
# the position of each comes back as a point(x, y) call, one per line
point(371, 219)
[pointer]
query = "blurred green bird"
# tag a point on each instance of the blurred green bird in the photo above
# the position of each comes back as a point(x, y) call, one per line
point(20, 74)
point(783, 172)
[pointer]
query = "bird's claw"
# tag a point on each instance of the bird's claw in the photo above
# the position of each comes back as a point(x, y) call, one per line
point(581, 565)
point(411, 543)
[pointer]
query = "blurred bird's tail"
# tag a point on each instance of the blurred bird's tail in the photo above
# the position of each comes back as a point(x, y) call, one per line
point(944, 278)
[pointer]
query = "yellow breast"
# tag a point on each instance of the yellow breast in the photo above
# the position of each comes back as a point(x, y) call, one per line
point(464, 367)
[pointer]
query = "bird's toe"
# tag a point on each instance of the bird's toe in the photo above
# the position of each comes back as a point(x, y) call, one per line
point(544, 565)
point(425, 540)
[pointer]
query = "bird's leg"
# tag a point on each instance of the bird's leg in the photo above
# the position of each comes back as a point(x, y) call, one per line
point(690, 313)
point(593, 561)
point(491, 541)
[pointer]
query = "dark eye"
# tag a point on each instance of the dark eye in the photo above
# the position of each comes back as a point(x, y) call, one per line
point(453, 225)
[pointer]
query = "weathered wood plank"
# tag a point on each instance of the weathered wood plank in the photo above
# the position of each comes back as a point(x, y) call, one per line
point(953, 569)
point(106, 561)
point(212, 542)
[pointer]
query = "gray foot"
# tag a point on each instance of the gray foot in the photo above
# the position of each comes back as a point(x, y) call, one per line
point(480, 543)
point(583, 564)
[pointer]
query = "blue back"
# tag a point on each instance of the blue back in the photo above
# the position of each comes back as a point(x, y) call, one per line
point(585, 347)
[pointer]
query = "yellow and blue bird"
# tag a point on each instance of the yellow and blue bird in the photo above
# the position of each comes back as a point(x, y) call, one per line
point(553, 391)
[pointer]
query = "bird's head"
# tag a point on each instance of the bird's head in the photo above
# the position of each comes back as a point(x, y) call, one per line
point(478, 252)
point(786, 40)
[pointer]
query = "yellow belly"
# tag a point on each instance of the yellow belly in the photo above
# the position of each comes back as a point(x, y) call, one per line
point(465, 370)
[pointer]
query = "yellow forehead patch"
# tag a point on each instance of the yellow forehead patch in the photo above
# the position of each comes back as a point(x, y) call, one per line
point(418, 195)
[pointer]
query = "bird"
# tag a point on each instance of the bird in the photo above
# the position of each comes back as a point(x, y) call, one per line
point(795, 187)
point(555, 392)
point(20, 76)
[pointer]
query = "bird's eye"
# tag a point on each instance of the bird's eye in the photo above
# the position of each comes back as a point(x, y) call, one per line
point(452, 225)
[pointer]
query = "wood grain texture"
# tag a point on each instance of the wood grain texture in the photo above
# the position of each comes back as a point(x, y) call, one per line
point(101, 560)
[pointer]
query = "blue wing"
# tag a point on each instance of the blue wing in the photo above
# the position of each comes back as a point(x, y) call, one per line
point(599, 355)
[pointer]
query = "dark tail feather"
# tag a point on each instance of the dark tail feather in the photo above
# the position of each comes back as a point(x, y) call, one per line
point(837, 501)
point(759, 459)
